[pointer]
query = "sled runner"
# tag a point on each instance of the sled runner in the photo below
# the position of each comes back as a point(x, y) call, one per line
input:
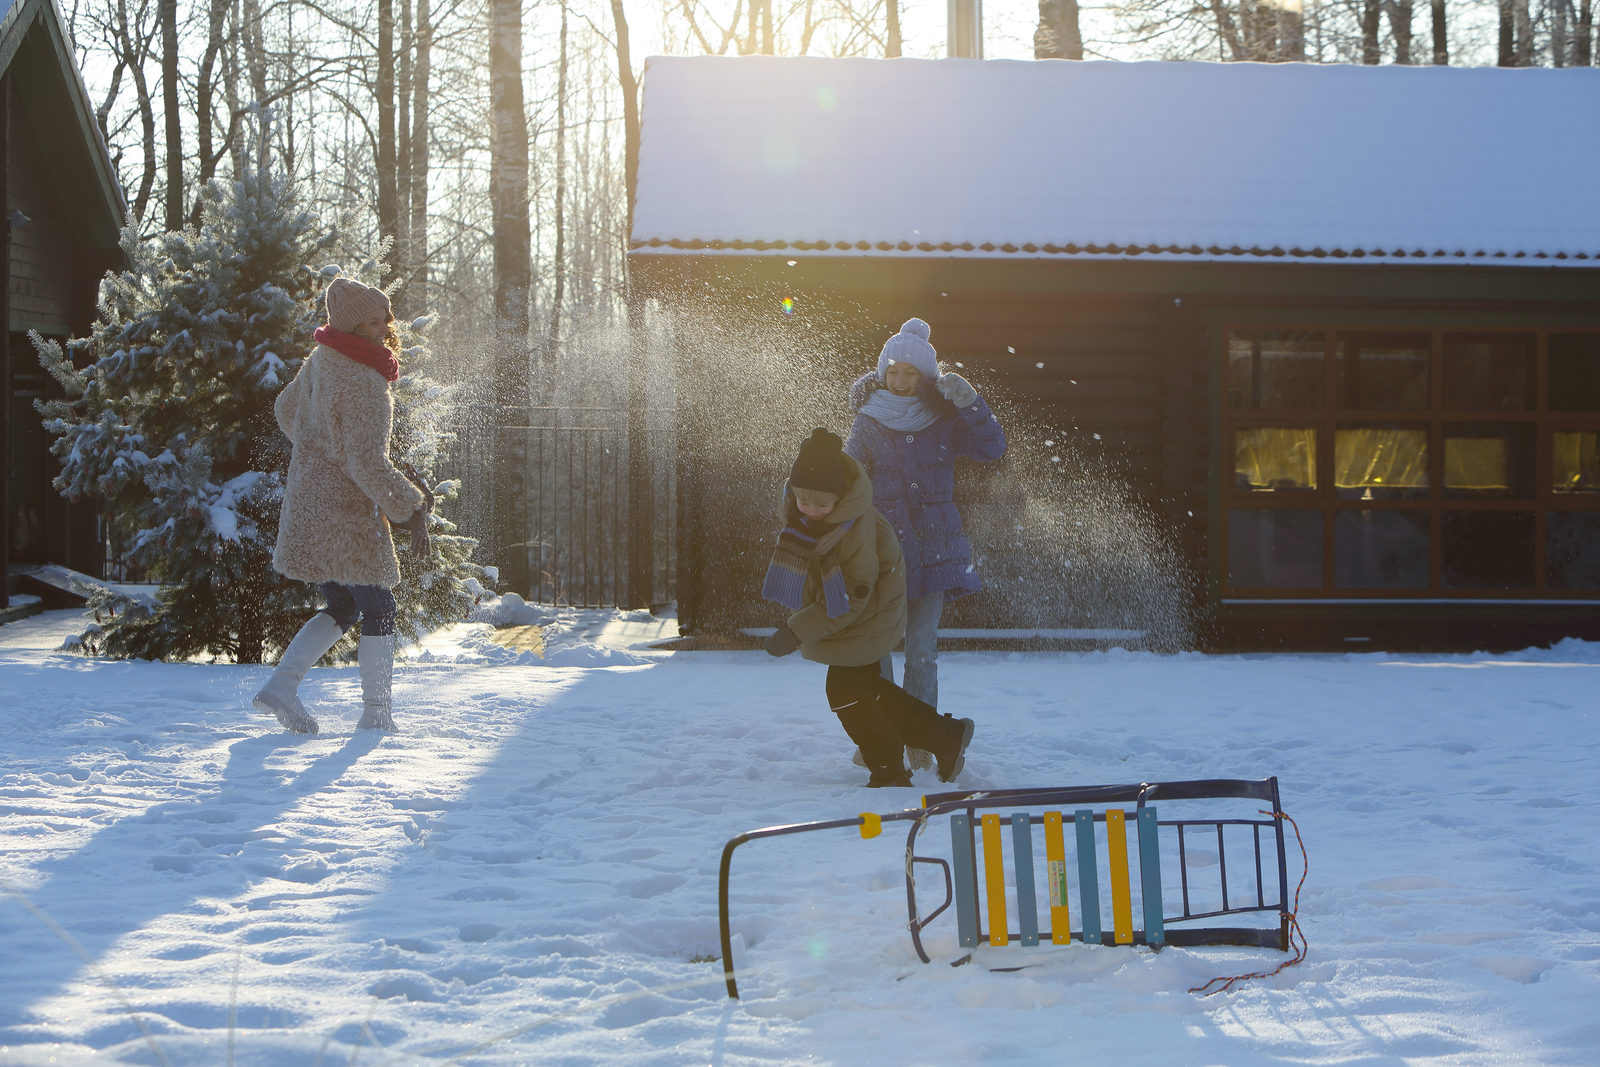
point(1221, 846)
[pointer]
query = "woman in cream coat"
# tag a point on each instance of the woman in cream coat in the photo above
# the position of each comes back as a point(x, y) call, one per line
point(342, 494)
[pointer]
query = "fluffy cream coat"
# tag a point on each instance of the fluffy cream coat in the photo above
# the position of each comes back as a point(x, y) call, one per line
point(343, 491)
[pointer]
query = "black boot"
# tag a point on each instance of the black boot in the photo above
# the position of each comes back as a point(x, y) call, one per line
point(952, 755)
point(887, 776)
point(922, 727)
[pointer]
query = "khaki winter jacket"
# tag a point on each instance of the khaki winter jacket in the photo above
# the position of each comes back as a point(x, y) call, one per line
point(342, 491)
point(874, 580)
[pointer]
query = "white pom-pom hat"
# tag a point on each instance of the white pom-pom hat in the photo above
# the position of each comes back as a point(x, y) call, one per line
point(911, 346)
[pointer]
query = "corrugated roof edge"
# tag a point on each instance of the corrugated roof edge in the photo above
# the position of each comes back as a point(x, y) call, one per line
point(968, 248)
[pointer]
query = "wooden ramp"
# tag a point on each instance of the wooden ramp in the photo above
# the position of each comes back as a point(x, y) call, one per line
point(521, 638)
point(57, 583)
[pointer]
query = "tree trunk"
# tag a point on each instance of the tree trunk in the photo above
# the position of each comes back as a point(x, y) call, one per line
point(1507, 51)
point(630, 112)
point(891, 18)
point(1228, 30)
point(641, 510)
point(230, 81)
point(136, 52)
point(388, 201)
point(255, 53)
point(1291, 34)
point(169, 101)
point(1441, 40)
point(1400, 18)
point(1058, 35)
point(204, 101)
point(1524, 28)
point(417, 186)
point(558, 261)
point(1370, 11)
point(402, 155)
point(1585, 48)
point(508, 195)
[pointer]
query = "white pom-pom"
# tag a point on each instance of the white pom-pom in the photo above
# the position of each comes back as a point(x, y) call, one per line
point(917, 328)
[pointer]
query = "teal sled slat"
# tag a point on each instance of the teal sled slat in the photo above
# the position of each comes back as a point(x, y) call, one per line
point(1027, 901)
point(964, 874)
point(1088, 877)
point(1155, 934)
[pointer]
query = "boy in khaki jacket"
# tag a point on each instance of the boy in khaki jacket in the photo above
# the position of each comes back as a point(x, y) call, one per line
point(837, 568)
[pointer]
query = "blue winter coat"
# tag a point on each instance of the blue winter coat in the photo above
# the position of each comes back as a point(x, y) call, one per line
point(914, 480)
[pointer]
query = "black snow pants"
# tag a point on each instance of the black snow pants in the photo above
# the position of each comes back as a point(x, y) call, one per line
point(881, 718)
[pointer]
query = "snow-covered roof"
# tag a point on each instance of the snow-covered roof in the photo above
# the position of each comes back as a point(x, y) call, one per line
point(953, 157)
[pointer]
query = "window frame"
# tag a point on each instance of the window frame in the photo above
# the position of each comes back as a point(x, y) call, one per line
point(1326, 418)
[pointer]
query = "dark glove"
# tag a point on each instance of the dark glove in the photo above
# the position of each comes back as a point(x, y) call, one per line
point(416, 479)
point(421, 547)
point(781, 643)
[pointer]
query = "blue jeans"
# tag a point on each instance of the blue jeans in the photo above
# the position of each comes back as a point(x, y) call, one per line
point(922, 648)
point(373, 604)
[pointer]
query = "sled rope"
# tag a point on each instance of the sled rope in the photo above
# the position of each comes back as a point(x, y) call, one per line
point(1297, 936)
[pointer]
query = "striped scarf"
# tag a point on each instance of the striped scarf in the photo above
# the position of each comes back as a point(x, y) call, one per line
point(786, 576)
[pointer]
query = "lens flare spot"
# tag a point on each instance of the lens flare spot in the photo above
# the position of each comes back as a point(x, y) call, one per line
point(816, 946)
point(787, 305)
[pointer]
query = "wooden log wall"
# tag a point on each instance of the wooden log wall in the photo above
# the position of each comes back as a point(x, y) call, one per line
point(1115, 386)
point(45, 261)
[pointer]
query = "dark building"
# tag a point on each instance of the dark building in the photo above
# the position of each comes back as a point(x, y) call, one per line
point(1339, 327)
point(62, 210)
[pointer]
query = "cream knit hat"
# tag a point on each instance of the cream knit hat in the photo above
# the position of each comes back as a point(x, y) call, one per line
point(350, 303)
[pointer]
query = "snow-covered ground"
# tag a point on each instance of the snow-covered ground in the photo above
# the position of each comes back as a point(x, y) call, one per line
point(527, 874)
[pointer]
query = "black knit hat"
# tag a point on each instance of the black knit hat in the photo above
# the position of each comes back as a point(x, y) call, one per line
point(821, 464)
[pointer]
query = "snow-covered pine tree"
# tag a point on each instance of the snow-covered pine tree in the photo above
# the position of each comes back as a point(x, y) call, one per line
point(168, 422)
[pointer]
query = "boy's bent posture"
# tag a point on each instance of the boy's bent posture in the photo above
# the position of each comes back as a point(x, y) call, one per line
point(838, 569)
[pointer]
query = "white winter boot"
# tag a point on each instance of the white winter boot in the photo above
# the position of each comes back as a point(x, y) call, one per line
point(375, 658)
point(280, 697)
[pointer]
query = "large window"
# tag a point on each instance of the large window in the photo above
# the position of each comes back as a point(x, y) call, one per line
point(1412, 463)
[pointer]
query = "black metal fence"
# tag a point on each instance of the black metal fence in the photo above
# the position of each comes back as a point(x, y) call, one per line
point(572, 520)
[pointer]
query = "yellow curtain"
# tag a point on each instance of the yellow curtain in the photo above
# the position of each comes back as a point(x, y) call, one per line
point(1576, 462)
point(1275, 457)
point(1380, 457)
point(1477, 463)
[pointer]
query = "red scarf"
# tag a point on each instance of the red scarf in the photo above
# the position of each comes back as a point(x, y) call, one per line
point(367, 353)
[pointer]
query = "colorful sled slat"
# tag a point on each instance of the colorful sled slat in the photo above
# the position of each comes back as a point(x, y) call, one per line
point(1155, 934)
point(1027, 903)
point(994, 879)
point(966, 880)
point(1055, 855)
point(1088, 877)
point(1117, 860)
point(1262, 841)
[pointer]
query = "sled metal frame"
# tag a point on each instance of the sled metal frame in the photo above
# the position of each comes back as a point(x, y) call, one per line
point(1033, 807)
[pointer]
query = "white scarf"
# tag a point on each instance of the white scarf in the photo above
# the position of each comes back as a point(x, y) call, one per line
point(905, 413)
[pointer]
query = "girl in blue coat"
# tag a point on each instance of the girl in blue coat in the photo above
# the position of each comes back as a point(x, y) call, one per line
point(911, 424)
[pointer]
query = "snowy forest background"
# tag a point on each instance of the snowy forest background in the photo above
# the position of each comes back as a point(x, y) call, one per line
point(476, 158)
